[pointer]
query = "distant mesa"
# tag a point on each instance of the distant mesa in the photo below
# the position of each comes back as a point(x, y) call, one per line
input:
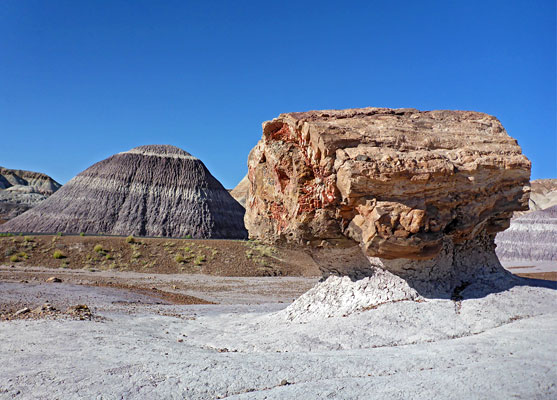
point(154, 190)
point(21, 190)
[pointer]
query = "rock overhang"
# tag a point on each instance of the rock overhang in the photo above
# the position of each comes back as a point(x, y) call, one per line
point(395, 181)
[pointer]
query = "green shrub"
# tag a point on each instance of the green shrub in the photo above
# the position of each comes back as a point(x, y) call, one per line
point(58, 254)
point(109, 257)
point(59, 233)
point(23, 255)
point(130, 239)
point(81, 234)
point(199, 259)
point(179, 259)
point(28, 239)
point(98, 248)
point(14, 258)
point(188, 236)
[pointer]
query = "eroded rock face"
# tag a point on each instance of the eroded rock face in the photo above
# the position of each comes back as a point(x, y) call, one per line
point(154, 190)
point(397, 182)
point(21, 190)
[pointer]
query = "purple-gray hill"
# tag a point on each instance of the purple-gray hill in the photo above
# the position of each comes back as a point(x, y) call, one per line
point(532, 236)
point(155, 190)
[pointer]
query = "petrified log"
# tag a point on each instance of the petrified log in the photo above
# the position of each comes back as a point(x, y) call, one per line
point(155, 190)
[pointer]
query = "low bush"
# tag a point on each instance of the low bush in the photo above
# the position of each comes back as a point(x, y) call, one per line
point(14, 258)
point(179, 259)
point(130, 239)
point(199, 259)
point(58, 254)
point(98, 248)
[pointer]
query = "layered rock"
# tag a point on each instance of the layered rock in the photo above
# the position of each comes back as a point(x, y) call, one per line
point(21, 190)
point(397, 182)
point(531, 237)
point(147, 191)
point(419, 195)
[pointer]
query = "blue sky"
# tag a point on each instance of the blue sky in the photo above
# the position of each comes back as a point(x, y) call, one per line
point(81, 80)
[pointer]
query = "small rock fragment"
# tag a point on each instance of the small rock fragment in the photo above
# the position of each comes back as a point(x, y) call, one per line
point(54, 279)
point(22, 311)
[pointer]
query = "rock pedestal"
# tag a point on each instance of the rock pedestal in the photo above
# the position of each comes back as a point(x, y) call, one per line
point(419, 194)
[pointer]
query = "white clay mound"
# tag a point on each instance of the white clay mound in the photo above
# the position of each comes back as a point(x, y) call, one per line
point(341, 296)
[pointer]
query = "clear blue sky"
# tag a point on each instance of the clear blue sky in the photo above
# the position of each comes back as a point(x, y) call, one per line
point(81, 80)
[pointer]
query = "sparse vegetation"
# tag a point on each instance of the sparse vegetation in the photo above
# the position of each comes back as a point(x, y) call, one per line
point(58, 254)
point(59, 234)
point(179, 259)
point(130, 239)
point(81, 234)
point(6, 234)
point(14, 258)
point(199, 259)
point(28, 239)
point(98, 248)
point(109, 256)
point(23, 255)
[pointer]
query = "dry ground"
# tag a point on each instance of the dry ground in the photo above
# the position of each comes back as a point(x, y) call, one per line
point(155, 255)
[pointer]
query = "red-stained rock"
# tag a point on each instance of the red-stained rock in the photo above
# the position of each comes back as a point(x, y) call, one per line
point(397, 182)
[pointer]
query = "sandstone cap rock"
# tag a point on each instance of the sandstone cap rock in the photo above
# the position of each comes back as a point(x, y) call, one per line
point(397, 182)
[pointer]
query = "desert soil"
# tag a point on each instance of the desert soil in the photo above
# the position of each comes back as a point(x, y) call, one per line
point(136, 341)
point(112, 328)
point(156, 255)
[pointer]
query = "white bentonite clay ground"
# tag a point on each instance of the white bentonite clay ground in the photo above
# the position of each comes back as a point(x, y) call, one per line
point(496, 346)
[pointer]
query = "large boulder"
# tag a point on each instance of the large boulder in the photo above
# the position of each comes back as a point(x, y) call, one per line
point(418, 194)
point(397, 182)
point(155, 190)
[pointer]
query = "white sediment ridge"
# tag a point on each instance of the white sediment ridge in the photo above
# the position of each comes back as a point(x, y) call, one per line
point(145, 152)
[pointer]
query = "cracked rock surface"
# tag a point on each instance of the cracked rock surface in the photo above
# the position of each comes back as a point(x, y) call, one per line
point(396, 182)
